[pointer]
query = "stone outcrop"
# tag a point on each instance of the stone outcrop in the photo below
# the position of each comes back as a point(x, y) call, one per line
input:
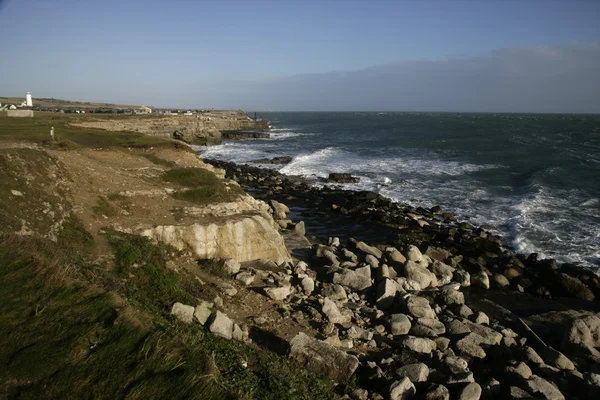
point(241, 231)
point(201, 129)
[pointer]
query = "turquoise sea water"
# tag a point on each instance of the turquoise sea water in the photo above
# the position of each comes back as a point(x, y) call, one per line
point(535, 177)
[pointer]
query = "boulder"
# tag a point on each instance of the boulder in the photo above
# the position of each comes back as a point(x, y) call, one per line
point(399, 324)
point(184, 312)
point(278, 293)
point(419, 307)
point(352, 279)
point(450, 296)
point(365, 248)
point(280, 211)
point(372, 261)
point(515, 392)
point(543, 388)
point(574, 287)
point(332, 312)
point(414, 254)
point(418, 372)
point(443, 272)
point(456, 365)
point(237, 333)
point(489, 336)
point(583, 337)
point(421, 275)
point(334, 291)
point(402, 389)
point(481, 280)
point(470, 346)
point(419, 345)
point(308, 285)
point(519, 372)
point(433, 324)
point(347, 255)
point(456, 327)
point(500, 280)
point(386, 293)
point(437, 253)
point(300, 228)
point(323, 359)
point(470, 392)
point(437, 392)
point(393, 255)
point(222, 325)
point(245, 277)
point(231, 266)
point(463, 277)
point(202, 312)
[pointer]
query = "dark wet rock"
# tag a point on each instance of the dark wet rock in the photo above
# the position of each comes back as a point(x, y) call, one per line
point(573, 287)
point(436, 392)
point(274, 160)
point(515, 392)
point(342, 178)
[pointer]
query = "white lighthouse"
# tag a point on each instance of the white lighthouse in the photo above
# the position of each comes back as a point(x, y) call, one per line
point(28, 101)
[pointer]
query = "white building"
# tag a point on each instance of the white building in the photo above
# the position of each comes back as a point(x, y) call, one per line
point(144, 110)
point(28, 101)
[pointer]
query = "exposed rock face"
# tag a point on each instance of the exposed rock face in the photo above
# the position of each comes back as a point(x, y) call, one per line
point(321, 358)
point(202, 129)
point(242, 231)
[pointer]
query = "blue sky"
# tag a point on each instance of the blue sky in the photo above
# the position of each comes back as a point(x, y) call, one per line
point(229, 54)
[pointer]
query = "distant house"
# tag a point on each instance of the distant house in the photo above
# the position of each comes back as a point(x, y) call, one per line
point(144, 110)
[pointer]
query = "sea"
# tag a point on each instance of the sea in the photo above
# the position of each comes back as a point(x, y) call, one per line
point(535, 177)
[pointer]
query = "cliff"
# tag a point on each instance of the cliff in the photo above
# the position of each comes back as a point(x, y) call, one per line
point(198, 129)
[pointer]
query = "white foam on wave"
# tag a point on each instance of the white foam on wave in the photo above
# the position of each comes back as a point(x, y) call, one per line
point(555, 226)
point(320, 163)
point(276, 135)
point(234, 152)
point(590, 203)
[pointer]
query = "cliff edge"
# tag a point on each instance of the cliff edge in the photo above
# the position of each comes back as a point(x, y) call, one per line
point(199, 129)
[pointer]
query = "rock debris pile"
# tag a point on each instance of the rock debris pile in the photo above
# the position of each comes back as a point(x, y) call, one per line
point(416, 318)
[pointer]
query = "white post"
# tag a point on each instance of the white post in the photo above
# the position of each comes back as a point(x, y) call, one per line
point(52, 133)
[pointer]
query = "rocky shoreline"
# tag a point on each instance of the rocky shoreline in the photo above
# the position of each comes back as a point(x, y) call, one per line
point(411, 301)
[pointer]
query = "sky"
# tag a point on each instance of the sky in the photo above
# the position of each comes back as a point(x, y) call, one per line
point(327, 55)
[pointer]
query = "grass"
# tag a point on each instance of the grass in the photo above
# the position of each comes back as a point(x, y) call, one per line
point(201, 186)
point(158, 161)
point(109, 206)
point(37, 130)
point(62, 336)
point(191, 177)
